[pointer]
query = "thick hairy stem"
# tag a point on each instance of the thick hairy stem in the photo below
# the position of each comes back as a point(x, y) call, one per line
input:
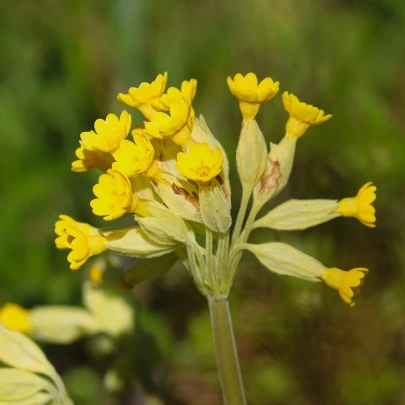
point(225, 348)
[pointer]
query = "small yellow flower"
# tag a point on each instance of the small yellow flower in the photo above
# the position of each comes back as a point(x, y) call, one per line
point(135, 158)
point(67, 222)
point(109, 133)
point(174, 95)
point(96, 272)
point(302, 115)
point(145, 97)
point(251, 94)
point(16, 318)
point(174, 125)
point(347, 283)
point(83, 246)
point(200, 163)
point(360, 206)
point(115, 197)
point(90, 159)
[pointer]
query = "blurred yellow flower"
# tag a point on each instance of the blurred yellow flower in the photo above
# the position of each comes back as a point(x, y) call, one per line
point(200, 163)
point(251, 94)
point(360, 206)
point(16, 318)
point(302, 115)
point(174, 125)
point(96, 273)
point(347, 283)
point(67, 222)
point(135, 158)
point(83, 246)
point(90, 159)
point(115, 197)
point(109, 133)
point(145, 97)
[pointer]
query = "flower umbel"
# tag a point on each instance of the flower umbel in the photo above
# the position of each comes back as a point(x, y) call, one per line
point(109, 133)
point(114, 197)
point(251, 94)
point(347, 283)
point(16, 318)
point(360, 206)
point(200, 163)
point(302, 115)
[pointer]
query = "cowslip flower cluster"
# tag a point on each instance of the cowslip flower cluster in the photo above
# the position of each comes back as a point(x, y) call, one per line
point(173, 178)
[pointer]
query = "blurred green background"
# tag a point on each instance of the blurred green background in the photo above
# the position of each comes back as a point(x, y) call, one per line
point(61, 66)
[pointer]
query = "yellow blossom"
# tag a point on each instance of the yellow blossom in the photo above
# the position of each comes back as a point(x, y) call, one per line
point(16, 318)
point(96, 273)
point(90, 159)
point(174, 95)
point(251, 94)
point(115, 197)
point(108, 133)
point(347, 283)
point(200, 163)
point(360, 206)
point(302, 115)
point(175, 125)
point(67, 222)
point(146, 97)
point(83, 246)
point(135, 158)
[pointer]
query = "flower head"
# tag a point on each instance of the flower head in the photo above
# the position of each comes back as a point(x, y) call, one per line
point(135, 158)
point(251, 94)
point(146, 96)
point(114, 196)
point(65, 222)
point(347, 283)
point(109, 133)
point(90, 159)
point(16, 318)
point(360, 206)
point(96, 272)
point(83, 246)
point(163, 125)
point(200, 163)
point(174, 95)
point(302, 115)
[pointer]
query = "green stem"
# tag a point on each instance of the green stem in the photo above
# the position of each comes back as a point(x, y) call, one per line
point(225, 348)
point(209, 253)
point(241, 216)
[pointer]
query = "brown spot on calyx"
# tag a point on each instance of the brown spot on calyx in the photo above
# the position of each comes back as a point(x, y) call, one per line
point(155, 183)
point(269, 180)
point(193, 199)
point(221, 182)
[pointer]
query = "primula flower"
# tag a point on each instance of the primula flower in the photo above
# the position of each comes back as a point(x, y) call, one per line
point(200, 163)
point(83, 247)
point(302, 115)
point(163, 125)
point(96, 273)
point(16, 318)
point(251, 94)
point(65, 222)
point(174, 95)
point(90, 159)
point(145, 97)
point(360, 206)
point(347, 283)
point(115, 197)
point(109, 133)
point(135, 158)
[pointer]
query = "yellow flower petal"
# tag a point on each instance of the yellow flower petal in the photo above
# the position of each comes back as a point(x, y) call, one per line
point(16, 318)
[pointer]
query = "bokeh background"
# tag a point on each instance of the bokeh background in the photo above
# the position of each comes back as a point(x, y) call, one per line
point(61, 66)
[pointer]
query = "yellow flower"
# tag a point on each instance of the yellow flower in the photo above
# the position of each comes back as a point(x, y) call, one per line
point(174, 95)
point(360, 206)
point(83, 246)
point(200, 163)
point(67, 222)
point(109, 133)
point(135, 158)
point(175, 125)
point(96, 272)
point(90, 159)
point(115, 197)
point(302, 115)
point(145, 97)
point(347, 283)
point(16, 318)
point(251, 94)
